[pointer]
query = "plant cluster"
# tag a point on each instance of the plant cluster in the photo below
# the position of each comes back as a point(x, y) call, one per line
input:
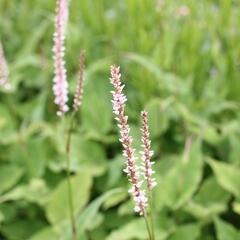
point(61, 174)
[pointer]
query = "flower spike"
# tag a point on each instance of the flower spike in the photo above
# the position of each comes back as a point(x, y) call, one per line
point(60, 87)
point(147, 153)
point(79, 87)
point(119, 100)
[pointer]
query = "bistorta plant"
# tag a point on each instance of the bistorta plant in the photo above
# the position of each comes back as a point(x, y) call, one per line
point(77, 101)
point(4, 72)
point(134, 172)
point(60, 89)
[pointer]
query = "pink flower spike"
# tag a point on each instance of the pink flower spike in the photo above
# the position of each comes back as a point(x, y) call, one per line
point(147, 153)
point(183, 11)
point(60, 87)
point(119, 100)
point(79, 87)
point(4, 73)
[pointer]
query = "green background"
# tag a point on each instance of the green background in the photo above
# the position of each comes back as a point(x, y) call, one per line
point(184, 70)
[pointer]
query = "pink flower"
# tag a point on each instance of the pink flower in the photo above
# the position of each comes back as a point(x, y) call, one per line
point(119, 100)
point(79, 88)
point(4, 81)
point(183, 11)
point(147, 153)
point(60, 87)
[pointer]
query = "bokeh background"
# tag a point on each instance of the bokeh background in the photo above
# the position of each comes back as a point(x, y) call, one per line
point(180, 60)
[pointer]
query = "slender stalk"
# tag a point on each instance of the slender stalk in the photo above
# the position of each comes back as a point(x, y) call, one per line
point(151, 214)
point(148, 227)
point(70, 192)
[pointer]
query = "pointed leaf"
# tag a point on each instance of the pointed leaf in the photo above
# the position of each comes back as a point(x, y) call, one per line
point(225, 231)
point(58, 205)
point(182, 180)
point(227, 176)
point(9, 175)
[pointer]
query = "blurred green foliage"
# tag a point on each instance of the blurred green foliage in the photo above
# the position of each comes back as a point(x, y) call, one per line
point(184, 68)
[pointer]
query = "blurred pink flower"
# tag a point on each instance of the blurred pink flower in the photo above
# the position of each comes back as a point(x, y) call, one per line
point(159, 4)
point(60, 87)
point(119, 100)
point(79, 87)
point(183, 11)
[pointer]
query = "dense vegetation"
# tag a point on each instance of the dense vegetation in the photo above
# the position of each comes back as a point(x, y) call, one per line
point(182, 64)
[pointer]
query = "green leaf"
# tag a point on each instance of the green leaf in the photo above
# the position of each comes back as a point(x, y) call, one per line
point(87, 217)
point(58, 205)
point(186, 232)
point(227, 176)
point(236, 207)
point(234, 153)
point(96, 107)
point(90, 154)
point(158, 121)
point(225, 231)
point(202, 212)
point(207, 197)
point(208, 203)
point(134, 230)
point(168, 81)
point(9, 176)
point(182, 180)
point(36, 157)
point(46, 233)
point(115, 199)
point(21, 228)
point(36, 191)
point(211, 135)
point(7, 125)
point(15, 194)
point(114, 175)
point(126, 208)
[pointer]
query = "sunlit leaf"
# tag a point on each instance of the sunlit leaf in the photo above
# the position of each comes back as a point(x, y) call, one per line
point(208, 203)
point(9, 175)
point(182, 180)
point(227, 176)
point(186, 232)
point(58, 205)
point(133, 230)
point(226, 231)
point(85, 219)
point(158, 121)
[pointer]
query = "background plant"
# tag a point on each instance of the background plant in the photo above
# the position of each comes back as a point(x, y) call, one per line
point(182, 66)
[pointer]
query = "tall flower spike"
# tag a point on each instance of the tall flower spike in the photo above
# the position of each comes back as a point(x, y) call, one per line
point(147, 153)
point(119, 100)
point(4, 82)
point(79, 87)
point(60, 87)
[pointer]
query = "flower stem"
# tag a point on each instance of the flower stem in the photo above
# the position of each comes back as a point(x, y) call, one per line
point(151, 215)
point(69, 185)
point(148, 227)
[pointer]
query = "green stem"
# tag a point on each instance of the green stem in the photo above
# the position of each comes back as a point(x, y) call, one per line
point(148, 227)
point(151, 214)
point(69, 185)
